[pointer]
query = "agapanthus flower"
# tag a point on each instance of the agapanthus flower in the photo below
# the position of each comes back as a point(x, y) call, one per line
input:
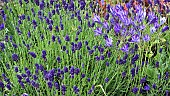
point(8, 86)
point(98, 31)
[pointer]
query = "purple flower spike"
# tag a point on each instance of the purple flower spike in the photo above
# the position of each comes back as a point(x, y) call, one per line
point(135, 90)
point(15, 57)
point(165, 28)
point(135, 38)
point(67, 38)
point(2, 46)
point(29, 34)
point(123, 74)
point(106, 25)
point(98, 31)
point(125, 48)
point(50, 85)
point(108, 42)
point(33, 54)
point(42, 5)
point(147, 87)
point(1, 84)
point(146, 38)
point(106, 79)
point(2, 26)
point(96, 19)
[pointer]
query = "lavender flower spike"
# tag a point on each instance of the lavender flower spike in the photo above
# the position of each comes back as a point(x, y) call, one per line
point(96, 19)
point(98, 31)
point(108, 42)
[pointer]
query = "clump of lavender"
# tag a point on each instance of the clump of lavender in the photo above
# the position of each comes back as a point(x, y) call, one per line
point(64, 48)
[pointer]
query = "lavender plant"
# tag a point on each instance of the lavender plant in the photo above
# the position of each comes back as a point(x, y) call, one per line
point(53, 47)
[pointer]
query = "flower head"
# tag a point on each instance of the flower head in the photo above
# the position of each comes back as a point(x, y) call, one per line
point(108, 42)
point(96, 19)
point(165, 28)
point(15, 57)
point(135, 90)
point(98, 31)
point(32, 54)
point(135, 38)
point(146, 38)
point(125, 48)
point(147, 87)
point(67, 38)
point(2, 26)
